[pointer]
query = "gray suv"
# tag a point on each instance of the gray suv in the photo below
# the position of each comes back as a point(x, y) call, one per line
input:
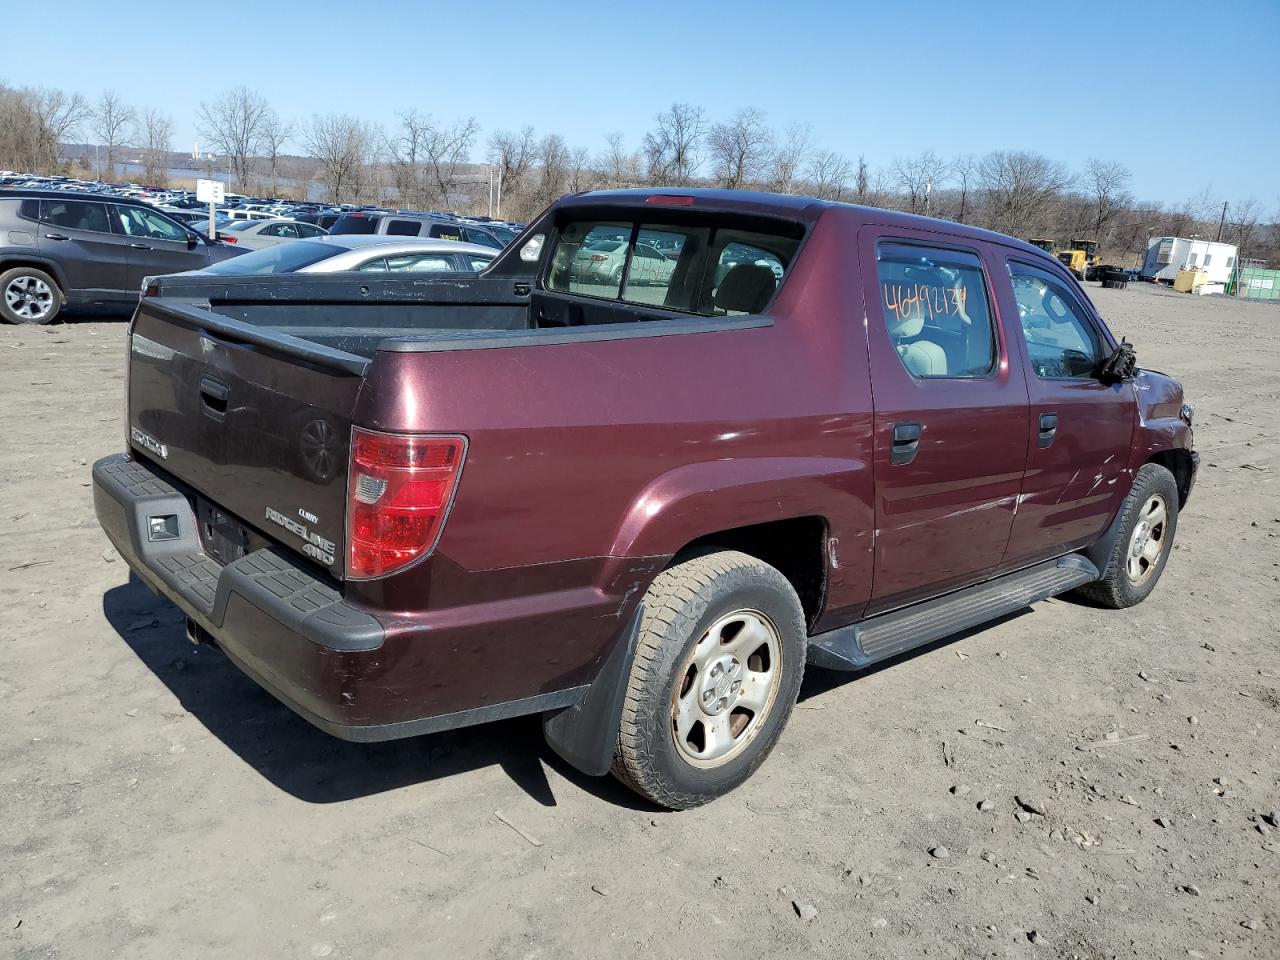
point(58, 247)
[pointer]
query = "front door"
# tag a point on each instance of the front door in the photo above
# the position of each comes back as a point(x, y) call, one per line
point(94, 260)
point(950, 415)
point(1080, 428)
point(156, 244)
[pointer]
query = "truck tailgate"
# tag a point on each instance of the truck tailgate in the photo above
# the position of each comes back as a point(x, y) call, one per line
point(258, 425)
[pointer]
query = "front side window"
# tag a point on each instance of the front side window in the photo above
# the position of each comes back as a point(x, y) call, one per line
point(936, 309)
point(483, 239)
point(75, 215)
point(1061, 341)
point(139, 222)
point(710, 269)
point(479, 263)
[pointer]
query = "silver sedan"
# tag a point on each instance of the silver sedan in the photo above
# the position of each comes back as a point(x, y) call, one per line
point(367, 253)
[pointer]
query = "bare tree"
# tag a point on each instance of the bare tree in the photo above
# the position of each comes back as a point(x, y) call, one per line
point(155, 140)
point(671, 149)
point(618, 166)
point(1018, 188)
point(1106, 184)
point(791, 153)
point(276, 132)
point(233, 123)
point(1243, 225)
point(962, 171)
point(580, 174)
point(513, 154)
point(113, 122)
point(554, 158)
point(445, 148)
point(344, 147)
point(917, 176)
point(739, 148)
point(829, 175)
point(862, 183)
point(57, 115)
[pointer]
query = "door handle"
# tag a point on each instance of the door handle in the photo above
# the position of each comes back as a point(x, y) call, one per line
point(139, 246)
point(1048, 428)
point(56, 236)
point(213, 397)
point(906, 441)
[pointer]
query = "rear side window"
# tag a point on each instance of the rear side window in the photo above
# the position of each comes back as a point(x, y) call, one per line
point(421, 263)
point(710, 268)
point(445, 231)
point(403, 228)
point(354, 223)
point(936, 309)
point(76, 215)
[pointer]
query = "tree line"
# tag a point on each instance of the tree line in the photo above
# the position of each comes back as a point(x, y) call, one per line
point(425, 162)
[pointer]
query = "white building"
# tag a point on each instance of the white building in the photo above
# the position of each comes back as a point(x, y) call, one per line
point(1167, 255)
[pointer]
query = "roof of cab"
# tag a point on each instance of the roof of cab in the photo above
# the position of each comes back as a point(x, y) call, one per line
point(32, 193)
point(804, 209)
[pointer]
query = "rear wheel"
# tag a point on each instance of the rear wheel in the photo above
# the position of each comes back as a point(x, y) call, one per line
point(717, 670)
point(1149, 520)
point(28, 295)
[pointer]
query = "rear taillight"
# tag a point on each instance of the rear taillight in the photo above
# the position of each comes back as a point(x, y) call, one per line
point(398, 497)
point(227, 238)
point(598, 258)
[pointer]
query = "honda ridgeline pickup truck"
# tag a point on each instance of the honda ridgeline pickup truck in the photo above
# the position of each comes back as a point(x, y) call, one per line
point(637, 501)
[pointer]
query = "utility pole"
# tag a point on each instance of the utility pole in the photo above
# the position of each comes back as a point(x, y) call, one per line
point(928, 189)
point(1222, 221)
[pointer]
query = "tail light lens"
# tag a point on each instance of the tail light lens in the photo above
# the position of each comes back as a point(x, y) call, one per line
point(598, 258)
point(228, 238)
point(398, 497)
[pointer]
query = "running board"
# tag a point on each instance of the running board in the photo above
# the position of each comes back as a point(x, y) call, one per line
point(861, 644)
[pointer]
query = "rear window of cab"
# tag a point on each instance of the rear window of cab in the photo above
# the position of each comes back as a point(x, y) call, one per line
point(706, 266)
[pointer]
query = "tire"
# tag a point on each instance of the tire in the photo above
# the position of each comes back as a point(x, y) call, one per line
point(28, 295)
point(721, 610)
point(616, 276)
point(1130, 577)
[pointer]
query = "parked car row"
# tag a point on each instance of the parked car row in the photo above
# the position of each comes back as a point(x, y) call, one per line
point(60, 246)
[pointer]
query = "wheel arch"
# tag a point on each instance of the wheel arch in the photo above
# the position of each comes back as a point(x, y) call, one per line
point(38, 263)
point(1181, 464)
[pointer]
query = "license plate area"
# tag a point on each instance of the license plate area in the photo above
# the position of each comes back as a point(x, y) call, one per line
point(224, 538)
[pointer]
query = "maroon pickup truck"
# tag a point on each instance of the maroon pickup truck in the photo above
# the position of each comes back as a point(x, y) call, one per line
point(671, 447)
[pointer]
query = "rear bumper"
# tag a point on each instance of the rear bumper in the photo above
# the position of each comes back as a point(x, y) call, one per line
point(287, 629)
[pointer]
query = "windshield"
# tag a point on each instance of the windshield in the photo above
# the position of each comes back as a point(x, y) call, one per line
point(282, 258)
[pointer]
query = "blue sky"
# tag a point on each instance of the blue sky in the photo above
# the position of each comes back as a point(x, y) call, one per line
point(1196, 85)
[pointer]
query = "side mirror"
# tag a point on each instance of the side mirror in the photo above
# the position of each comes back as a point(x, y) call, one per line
point(193, 241)
point(1121, 366)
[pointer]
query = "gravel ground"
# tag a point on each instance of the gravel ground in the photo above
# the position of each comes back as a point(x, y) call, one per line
point(156, 803)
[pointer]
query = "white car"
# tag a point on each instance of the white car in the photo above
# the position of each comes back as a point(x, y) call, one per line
point(368, 253)
point(257, 234)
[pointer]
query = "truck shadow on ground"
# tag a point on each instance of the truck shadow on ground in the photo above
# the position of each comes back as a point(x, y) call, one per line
point(308, 763)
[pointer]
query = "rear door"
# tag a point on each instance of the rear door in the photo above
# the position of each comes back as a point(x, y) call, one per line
point(259, 433)
point(1080, 429)
point(156, 244)
point(94, 259)
point(950, 414)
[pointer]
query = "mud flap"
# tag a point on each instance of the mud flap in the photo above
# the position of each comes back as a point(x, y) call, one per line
point(585, 734)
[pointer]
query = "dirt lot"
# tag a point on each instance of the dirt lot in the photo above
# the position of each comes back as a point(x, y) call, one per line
point(155, 803)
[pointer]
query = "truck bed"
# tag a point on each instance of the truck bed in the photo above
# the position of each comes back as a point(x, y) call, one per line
point(349, 320)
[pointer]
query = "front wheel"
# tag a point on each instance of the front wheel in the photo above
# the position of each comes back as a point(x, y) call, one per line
point(28, 295)
point(717, 669)
point(1149, 519)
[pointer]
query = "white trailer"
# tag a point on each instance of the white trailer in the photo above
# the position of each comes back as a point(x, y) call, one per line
point(1167, 255)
